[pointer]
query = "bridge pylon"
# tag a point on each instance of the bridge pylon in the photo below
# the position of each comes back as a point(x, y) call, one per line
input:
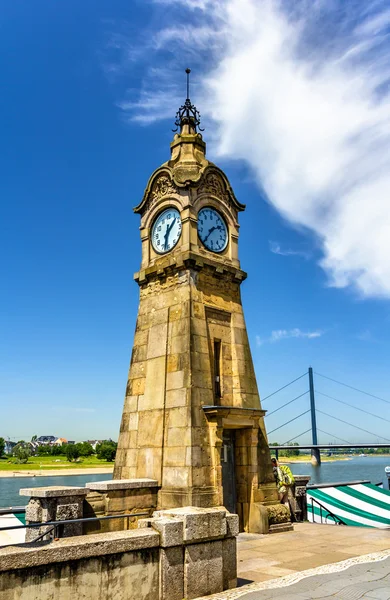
point(315, 452)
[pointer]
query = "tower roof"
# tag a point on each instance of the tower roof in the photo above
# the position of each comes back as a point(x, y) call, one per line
point(188, 165)
point(188, 115)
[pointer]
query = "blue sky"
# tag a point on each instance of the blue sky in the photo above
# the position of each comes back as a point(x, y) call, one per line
point(298, 118)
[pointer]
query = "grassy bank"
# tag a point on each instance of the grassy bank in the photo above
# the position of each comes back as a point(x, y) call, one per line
point(50, 463)
point(306, 458)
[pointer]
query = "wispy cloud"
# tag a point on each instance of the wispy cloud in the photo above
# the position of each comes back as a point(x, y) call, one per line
point(276, 248)
point(300, 91)
point(365, 336)
point(283, 334)
point(73, 409)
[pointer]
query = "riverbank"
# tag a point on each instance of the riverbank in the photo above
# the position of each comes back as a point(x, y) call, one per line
point(41, 466)
point(307, 459)
point(57, 472)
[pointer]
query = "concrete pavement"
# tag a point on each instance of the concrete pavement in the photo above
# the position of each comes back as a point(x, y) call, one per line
point(314, 561)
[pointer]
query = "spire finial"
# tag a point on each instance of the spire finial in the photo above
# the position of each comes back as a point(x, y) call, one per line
point(188, 71)
point(188, 114)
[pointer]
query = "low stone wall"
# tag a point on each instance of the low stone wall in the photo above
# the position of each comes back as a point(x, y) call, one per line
point(97, 499)
point(113, 566)
point(118, 497)
point(183, 553)
point(55, 503)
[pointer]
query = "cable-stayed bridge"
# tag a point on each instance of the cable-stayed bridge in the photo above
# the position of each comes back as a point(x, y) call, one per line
point(311, 409)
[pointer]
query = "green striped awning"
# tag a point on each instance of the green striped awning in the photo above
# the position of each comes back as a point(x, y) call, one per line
point(361, 504)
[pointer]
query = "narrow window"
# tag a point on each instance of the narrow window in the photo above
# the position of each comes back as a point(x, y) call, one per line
point(217, 369)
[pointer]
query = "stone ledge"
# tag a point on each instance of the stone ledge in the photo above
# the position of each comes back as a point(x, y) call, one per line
point(54, 491)
point(74, 548)
point(200, 524)
point(121, 484)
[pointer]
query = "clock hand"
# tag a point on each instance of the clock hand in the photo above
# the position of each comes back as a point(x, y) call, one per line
point(169, 227)
point(211, 231)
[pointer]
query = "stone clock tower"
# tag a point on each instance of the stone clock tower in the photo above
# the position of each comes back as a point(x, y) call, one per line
point(192, 417)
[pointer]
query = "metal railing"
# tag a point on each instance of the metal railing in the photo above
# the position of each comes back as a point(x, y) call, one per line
point(328, 513)
point(57, 527)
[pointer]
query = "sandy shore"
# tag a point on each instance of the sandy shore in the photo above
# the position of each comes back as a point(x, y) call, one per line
point(55, 472)
point(285, 460)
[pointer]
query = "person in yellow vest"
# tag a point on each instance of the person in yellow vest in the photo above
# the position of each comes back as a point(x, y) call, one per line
point(284, 480)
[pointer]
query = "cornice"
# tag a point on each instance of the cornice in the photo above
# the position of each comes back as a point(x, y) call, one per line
point(189, 260)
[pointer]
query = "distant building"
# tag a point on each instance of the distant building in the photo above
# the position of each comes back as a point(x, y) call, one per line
point(60, 441)
point(46, 439)
point(9, 446)
point(94, 443)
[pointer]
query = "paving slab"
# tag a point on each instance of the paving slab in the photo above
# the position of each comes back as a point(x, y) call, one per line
point(314, 562)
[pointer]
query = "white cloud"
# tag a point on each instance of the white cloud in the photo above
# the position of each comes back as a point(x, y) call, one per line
point(73, 409)
point(365, 336)
point(276, 248)
point(300, 92)
point(283, 334)
point(259, 341)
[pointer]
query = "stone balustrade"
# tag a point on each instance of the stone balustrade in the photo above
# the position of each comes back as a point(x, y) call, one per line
point(175, 554)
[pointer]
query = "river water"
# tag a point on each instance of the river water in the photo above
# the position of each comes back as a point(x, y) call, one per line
point(10, 486)
point(370, 468)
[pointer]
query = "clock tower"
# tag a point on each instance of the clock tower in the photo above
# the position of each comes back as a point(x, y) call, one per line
point(192, 417)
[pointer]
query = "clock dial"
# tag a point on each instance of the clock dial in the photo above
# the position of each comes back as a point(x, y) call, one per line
point(166, 230)
point(212, 229)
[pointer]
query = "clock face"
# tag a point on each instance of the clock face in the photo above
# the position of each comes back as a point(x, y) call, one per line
point(166, 230)
point(212, 229)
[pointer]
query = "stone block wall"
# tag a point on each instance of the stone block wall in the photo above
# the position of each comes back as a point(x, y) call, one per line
point(56, 503)
point(119, 497)
point(183, 553)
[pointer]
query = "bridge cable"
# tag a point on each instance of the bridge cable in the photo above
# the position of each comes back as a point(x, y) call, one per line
point(290, 421)
point(351, 425)
point(294, 438)
point(335, 436)
point(353, 388)
point(352, 406)
point(282, 388)
point(287, 403)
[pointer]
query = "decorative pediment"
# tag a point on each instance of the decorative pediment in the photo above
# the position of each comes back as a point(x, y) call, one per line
point(160, 185)
point(215, 183)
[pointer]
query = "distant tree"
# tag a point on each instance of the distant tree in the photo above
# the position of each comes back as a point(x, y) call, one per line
point(292, 452)
point(21, 452)
point(72, 452)
point(43, 450)
point(84, 448)
point(57, 450)
point(2, 446)
point(34, 438)
point(106, 450)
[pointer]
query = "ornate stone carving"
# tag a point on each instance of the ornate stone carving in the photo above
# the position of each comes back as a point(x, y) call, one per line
point(300, 491)
point(212, 184)
point(278, 513)
point(163, 186)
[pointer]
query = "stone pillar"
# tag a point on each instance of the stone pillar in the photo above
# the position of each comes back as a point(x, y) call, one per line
point(56, 503)
point(198, 551)
point(119, 497)
point(298, 497)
